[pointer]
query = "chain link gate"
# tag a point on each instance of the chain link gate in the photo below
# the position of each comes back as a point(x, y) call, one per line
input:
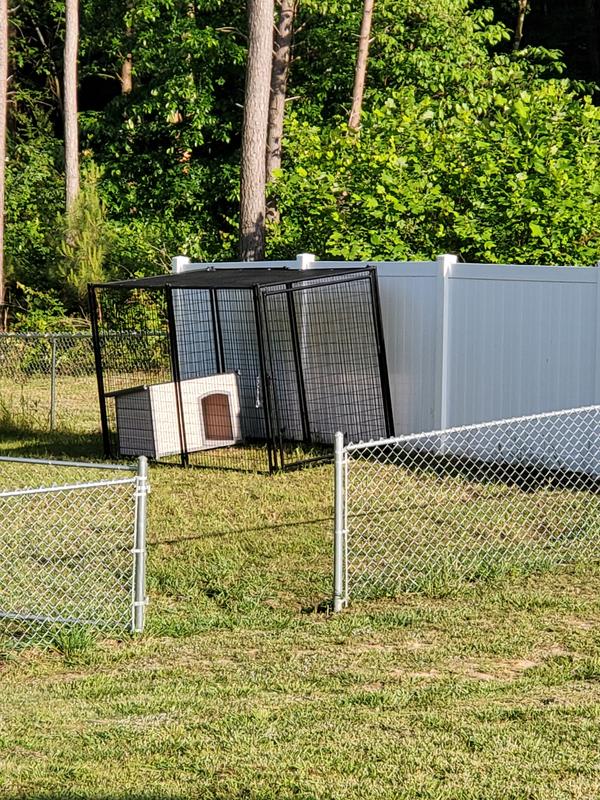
point(416, 512)
point(72, 548)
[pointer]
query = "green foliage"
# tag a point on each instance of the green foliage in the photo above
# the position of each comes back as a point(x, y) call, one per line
point(166, 147)
point(40, 312)
point(479, 155)
point(139, 247)
point(86, 240)
point(34, 312)
point(432, 46)
point(34, 191)
point(463, 146)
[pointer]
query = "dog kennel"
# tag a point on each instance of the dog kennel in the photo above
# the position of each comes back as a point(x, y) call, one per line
point(248, 368)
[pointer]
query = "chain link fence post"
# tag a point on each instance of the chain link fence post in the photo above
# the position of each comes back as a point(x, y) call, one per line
point(339, 535)
point(53, 384)
point(140, 600)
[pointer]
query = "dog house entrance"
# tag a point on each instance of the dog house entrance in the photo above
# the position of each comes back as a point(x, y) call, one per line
point(216, 415)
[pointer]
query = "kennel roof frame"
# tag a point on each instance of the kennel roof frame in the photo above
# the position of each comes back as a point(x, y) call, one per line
point(246, 278)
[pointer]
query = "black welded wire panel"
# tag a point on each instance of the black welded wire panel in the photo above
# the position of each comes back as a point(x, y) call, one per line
point(194, 333)
point(240, 354)
point(339, 361)
point(218, 403)
point(134, 349)
point(282, 366)
point(221, 385)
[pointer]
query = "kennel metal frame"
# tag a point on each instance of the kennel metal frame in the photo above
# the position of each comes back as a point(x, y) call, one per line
point(297, 324)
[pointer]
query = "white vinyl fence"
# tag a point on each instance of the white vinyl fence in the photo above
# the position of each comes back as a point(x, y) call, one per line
point(72, 548)
point(415, 512)
point(469, 343)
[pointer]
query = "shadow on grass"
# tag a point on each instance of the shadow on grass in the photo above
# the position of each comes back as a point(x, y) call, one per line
point(526, 475)
point(260, 528)
point(324, 607)
point(29, 443)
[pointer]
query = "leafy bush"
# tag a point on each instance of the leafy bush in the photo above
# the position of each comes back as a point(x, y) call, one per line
point(463, 151)
point(34, 192)
point(512, 180)
point(40, 312)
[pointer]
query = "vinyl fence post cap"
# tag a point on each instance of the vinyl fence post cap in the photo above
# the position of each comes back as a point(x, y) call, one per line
point(178, 263)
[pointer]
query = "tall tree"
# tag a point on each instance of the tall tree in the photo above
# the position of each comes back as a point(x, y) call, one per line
point(4, 35)
point(282, 49)
point(523, 6)
point(592, 8)
point(126, 73)
point(254, 129)
point(360, 73)
point(70, 101)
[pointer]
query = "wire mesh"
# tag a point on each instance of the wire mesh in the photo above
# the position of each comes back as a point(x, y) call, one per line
point(47, 380)
point(221, 387)
point(134, 350)
point(518, 494)
point(325, 358)
point(68, 549)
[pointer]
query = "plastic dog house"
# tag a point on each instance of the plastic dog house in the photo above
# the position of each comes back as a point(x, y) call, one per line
point(150, 421)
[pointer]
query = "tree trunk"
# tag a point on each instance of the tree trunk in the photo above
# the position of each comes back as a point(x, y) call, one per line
point(254, 130)
point(279, 77)
point(523, 6)
point(11, 103)
point(4, 36)
point(127, 74)
point(70, 101)
point(360, 73)
point(592, 8)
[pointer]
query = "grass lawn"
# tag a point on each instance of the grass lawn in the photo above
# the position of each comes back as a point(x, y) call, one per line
point(25, 403)
point(243, 688)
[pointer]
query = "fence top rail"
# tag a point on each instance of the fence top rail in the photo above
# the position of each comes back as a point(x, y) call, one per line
point(412, 437)
point(83, 337)
point(35, 335)
point(50, 462)
point(67, 487)
point(524, 273)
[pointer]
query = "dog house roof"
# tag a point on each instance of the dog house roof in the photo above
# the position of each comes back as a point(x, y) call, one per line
point(245, 278)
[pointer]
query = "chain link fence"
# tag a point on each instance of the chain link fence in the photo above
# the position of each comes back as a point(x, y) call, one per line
point(419, 512)
point(48, 381)
point(72, 548)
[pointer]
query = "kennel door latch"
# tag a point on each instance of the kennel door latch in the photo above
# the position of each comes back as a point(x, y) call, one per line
point(257, 401)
